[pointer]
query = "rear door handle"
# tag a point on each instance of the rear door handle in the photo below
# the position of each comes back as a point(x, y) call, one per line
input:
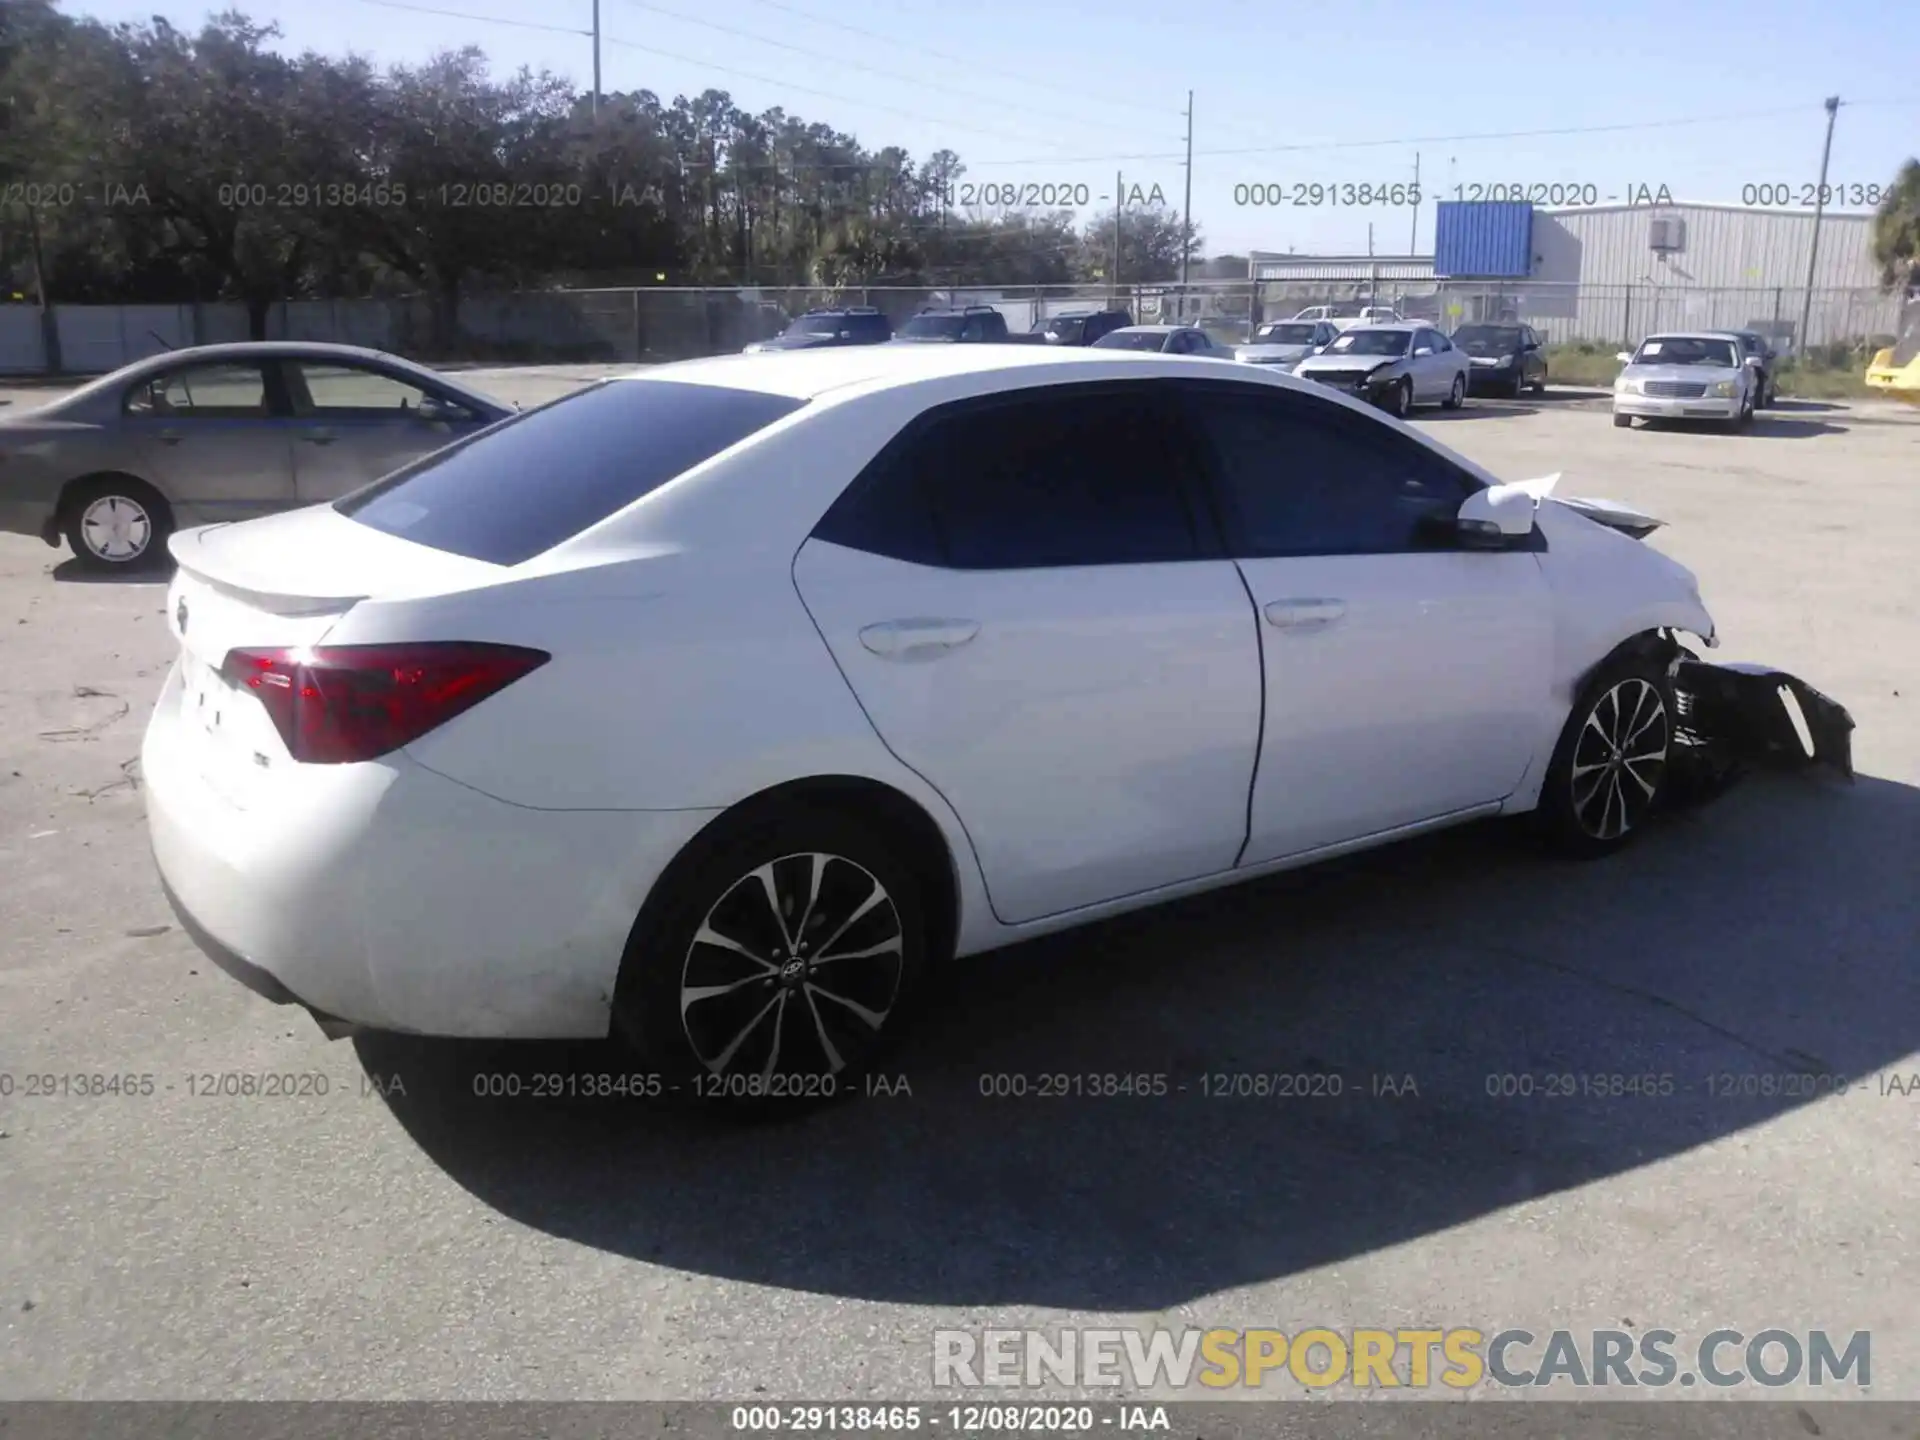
point(917, 639)
point(1305, 613)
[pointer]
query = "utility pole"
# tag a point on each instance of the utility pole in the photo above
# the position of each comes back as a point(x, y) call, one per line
point(1813, 246)
point(1413, 244)
point(1113, 278)
point(596, 59)
point(1186, 213)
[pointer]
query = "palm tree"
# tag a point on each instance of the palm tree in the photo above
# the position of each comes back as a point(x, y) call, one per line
point(1896, 230)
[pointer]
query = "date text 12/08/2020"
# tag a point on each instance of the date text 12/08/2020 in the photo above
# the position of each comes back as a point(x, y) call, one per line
point(1047, 195)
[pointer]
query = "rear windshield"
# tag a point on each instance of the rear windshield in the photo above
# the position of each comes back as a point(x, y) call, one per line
point(540, 478)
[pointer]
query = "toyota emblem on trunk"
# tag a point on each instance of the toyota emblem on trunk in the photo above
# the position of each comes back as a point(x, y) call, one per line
point(180, 616)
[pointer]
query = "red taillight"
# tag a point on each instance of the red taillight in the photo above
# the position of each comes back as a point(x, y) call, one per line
point(336, 705)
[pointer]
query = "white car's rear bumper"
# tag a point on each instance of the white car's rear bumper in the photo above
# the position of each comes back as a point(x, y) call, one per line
point(387, 896)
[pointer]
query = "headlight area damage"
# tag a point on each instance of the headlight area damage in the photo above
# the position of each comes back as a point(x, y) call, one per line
point(1735, 718)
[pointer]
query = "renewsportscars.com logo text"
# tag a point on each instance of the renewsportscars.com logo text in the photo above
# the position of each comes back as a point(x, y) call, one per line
point(1456, 1359)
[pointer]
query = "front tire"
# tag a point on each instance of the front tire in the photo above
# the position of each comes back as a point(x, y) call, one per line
point(116, 523)
point(781, 965)
point(1400, 399)
point(1609, 771)
point(1457, 396)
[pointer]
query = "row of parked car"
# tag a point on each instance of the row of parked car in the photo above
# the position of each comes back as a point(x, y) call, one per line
point(1395, 363)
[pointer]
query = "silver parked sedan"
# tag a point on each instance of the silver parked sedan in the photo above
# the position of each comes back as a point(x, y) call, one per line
point(220, 432)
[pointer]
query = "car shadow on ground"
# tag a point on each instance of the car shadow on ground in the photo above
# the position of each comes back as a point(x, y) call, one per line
point(1803, 406)
point(1425, 995)
point(1478, 408)
point(71, 572)
point(1765, 425)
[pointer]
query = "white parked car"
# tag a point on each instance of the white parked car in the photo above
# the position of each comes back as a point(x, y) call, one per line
point(1285, 343)
point(1394, 366)
point(1348, 314)
point(1700, 376)
point(715, 705)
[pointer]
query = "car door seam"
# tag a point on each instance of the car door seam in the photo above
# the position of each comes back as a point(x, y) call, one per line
point(793, 578)
point(1260, 734)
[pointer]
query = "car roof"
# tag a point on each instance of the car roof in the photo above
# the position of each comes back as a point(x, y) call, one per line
point(1390, 326)
point(1152, 329)
point(811, 374)
point(1692, 335)
point(239, 350)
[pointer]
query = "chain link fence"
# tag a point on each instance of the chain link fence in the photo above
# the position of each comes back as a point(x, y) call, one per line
point(656, 324)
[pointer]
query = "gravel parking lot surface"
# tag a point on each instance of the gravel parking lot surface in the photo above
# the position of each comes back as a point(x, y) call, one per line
point(428, 1243)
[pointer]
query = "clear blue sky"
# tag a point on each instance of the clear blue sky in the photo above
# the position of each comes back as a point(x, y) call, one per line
point(1032, 92)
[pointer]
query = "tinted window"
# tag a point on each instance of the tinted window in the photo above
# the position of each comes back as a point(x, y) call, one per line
point(1299, 478)
point(546, 475)
point(208, 392)
point(1060, 479)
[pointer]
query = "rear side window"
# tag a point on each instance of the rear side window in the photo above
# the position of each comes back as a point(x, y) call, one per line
point(524, 486)
point(1043, 481)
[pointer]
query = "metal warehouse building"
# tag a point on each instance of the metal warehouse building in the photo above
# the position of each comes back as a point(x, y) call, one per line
point(1613, 273)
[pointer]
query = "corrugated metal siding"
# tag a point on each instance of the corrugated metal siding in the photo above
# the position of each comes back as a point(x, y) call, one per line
point(1311, 268)
point(1724, 247)
point(1483, 238)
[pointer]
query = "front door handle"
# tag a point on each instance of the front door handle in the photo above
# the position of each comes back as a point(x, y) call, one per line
point(917, 639)
point(1305, 613)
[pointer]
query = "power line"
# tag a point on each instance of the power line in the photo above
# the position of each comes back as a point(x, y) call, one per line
point(920, 116)
point(970, 63)
point(469, 15)
point(1414, 139)
point(918, 80)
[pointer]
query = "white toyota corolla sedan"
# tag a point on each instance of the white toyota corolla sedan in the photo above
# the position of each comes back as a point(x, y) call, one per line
point(712, 706)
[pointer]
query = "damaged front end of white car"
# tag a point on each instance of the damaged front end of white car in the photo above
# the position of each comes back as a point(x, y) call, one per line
point(1732, 718)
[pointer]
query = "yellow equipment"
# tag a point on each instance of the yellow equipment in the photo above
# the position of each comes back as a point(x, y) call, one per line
point(1895, 371)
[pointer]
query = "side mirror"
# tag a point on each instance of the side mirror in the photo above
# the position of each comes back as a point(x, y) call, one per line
point(1491, 517)
point(1623, 357)
point(1423, 350)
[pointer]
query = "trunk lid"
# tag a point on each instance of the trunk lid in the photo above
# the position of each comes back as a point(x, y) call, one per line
point(281, 581)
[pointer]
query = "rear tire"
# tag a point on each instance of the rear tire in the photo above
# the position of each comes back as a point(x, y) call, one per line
point(1609, 770)
point(718, 992)
point(115, 523)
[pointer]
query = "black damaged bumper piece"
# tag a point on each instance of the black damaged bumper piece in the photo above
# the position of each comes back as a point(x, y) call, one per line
point(1739, 717)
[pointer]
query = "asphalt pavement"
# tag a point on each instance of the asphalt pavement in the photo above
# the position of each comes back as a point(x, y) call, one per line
point(402, 1236)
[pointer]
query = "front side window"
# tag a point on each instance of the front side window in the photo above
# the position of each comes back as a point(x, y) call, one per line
point(1296, 477)
point(351, 392)
point(217, 392)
